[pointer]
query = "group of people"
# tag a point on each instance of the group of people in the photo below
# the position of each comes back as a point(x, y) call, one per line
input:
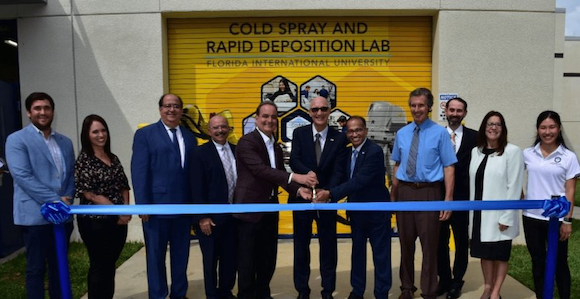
point(433, 163)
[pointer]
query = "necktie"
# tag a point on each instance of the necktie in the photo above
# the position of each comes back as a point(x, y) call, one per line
point(353, 161)
point(317, 148)
point(412, 162)
point(453, 141)
point(228, 168)
point(176, 143)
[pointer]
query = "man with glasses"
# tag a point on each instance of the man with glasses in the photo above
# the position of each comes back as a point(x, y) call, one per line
point(213, 180)
point(159, 168)
point(319, 149)
point(424, 171)
point(366, 183)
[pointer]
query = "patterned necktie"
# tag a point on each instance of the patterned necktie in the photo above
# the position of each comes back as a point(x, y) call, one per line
point(453, 141)
point(229, 170)
point(412, 162)
point(176, 143)
point(317, 148)
point(353, 161)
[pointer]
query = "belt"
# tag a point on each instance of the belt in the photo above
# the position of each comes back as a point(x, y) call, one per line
point(420, 185)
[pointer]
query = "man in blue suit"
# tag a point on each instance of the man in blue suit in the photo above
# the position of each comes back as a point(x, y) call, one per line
point(366, 183)
point(320, 149)
point(159, 168)
point(42, 166)
point(213, 180)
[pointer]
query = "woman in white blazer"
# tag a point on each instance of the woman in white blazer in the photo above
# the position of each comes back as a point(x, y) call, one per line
point(495, 173)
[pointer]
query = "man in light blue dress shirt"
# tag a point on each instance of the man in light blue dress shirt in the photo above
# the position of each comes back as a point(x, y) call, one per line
point(424, 171)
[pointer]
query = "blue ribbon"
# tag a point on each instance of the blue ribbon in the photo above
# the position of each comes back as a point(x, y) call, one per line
point(58, 213)
point(186, 209)
point(556, 208)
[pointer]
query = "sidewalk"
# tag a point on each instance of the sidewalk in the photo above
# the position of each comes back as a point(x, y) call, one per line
point(131, 279)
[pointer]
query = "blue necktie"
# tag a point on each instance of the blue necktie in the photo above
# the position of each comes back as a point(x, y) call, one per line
point(353, 161)
point(176, 143)
point(412, 162)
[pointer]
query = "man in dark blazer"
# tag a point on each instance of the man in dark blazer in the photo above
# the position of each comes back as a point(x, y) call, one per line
point(464, 140)
point(213, 179)
point(260, 171)
point(160, 176)
point(320, 149)
point(42, 166)
point(366, 183)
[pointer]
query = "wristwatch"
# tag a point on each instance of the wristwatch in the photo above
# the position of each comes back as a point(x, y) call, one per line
point(567, 220)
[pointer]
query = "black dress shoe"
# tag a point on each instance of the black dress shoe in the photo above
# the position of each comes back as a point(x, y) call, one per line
point(303, 296)
point(455, 291)
point(442, 290)
point(353, 296)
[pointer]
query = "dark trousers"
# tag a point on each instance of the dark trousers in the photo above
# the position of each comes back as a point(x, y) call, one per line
point(376, 228)
point(257, 249)
point(536, 232)
point(219, 252)
point(459, 222)
point(326, 224)
point(424, 225)
point(104, 240)
point(159, 232)
point(40, 251)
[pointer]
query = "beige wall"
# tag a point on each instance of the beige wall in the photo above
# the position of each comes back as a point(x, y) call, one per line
point(107, 57)
point(570, 105)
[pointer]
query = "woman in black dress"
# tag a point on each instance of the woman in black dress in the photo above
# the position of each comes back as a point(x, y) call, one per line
point(100, 180)
point(495, 173)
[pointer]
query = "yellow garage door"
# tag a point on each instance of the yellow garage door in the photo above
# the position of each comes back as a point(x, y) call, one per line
point(364, 65)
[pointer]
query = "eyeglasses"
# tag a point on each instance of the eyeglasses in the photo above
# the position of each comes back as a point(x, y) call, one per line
point(357, 130)
point(169, 106)
point(220, 127)
point(316, 109)
point(490, 125)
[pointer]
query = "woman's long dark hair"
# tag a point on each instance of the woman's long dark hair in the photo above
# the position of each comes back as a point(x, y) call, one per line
point(482, 138)
point(556, 118)
point(86, 145)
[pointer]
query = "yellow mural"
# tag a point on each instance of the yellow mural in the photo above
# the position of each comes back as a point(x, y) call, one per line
point(364, 65)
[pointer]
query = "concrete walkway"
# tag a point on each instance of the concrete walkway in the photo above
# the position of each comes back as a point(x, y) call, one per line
point(131, 279)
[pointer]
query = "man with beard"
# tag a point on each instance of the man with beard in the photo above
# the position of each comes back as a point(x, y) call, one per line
point(463, 140)
point(42, 166)
point(424, 167)
point(213, 179)
point(261, 170)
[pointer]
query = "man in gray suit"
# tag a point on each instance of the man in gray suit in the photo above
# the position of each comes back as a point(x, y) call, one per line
point(42, 166)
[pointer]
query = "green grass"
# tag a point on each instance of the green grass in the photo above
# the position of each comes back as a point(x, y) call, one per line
point(13, 272)
point(521, 263)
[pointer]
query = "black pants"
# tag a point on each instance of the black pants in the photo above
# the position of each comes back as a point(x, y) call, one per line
point(459, 222)
point(536, 232)
point(257, 250)
point(104, 240)
point(326, 224)
point(219, 259)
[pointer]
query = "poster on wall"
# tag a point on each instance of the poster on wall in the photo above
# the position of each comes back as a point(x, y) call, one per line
point(363, 65)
